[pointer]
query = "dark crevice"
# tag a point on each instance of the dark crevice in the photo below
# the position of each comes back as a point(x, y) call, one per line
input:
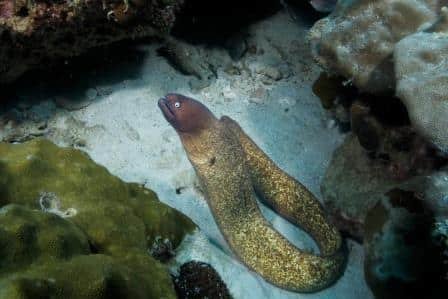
point(389, 110)
point(213, 22)
point(93, 248)
point(23, 12)
point(304, 10)
point(76, 73)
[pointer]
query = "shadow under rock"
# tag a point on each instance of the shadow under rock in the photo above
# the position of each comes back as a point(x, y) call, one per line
point(213, 22)
point(72, 77)
point(303, 11)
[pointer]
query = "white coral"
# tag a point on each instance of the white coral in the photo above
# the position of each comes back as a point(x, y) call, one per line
point(421, 66)
point(357, 40)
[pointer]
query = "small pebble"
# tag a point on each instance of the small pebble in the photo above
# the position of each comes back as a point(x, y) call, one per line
point(258, 95)
point(91, 93)
point(42, 125)
point(331, 123)
point(273, 73)
point(232, 70)
point(80, 142)
point(286, 102)
point(196, 84)
point(104, 91)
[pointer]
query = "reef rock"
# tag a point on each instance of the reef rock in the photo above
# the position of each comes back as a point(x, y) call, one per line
point(189, 60)
point(200, 280)
point(433, 189)
point(352, 185)
point(33, 33)
point(403, 259)
point(358, 177)
point(70, 229)
point(421, 66)
point(357, 39)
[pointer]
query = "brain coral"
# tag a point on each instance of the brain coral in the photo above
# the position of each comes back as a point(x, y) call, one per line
point(69, 229)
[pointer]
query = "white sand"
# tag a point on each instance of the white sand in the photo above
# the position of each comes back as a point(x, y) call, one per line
point(125, 131)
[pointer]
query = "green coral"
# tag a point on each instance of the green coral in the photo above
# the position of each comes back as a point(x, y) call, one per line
point(69, 229)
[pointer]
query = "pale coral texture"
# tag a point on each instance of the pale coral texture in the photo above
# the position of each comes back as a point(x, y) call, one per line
point(421, 64)
point(357, 40)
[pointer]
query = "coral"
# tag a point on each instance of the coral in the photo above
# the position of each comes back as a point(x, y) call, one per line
point(402, 259)
point(386, 46)
point(406, 152)
point(421, 63)
point(33, 33)
point(357, 39)
point(99, 248)
point(393, 199)
point(370, 162)
point(33, 236)
point(353, 184)
point(199, 280)
point(45, 256)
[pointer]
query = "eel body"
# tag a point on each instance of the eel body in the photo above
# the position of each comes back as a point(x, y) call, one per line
point(231, 168)
point(286, 195)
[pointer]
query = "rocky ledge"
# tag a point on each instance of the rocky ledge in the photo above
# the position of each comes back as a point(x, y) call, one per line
point(33, 33)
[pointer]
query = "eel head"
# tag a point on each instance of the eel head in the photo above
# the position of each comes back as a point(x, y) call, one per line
point(185, 114)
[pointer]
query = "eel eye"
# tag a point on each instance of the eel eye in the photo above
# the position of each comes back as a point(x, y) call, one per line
point(177, 105)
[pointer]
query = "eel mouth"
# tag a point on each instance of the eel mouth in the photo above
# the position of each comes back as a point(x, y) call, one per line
point(166, 110)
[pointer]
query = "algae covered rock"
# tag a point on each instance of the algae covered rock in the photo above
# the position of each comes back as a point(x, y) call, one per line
point(69, 229)
point(32, 236)
point(46, 256)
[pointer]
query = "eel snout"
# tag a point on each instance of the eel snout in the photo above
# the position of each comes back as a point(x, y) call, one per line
point(167, 111)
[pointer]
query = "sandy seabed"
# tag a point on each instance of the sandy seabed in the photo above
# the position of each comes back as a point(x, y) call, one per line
point(122, 128)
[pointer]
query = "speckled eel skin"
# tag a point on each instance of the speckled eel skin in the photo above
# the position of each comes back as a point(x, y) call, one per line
point(232, 169)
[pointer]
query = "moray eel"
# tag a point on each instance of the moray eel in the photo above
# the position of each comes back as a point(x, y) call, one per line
point(232, 169)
